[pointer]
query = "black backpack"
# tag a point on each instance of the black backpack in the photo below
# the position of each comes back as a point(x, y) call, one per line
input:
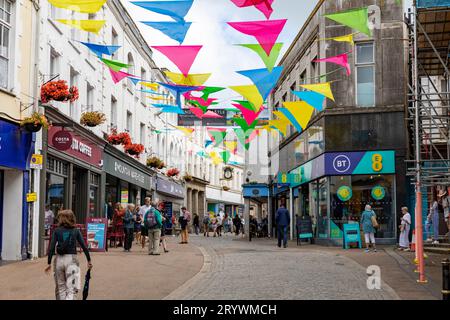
point(69, 242)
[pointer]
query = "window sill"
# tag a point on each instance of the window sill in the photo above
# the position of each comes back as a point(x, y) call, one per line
point(6, 91)
point(75, 46)
point(90, 64)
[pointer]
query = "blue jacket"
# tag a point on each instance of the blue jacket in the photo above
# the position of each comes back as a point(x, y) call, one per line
point(128, 220)
point(283, 218)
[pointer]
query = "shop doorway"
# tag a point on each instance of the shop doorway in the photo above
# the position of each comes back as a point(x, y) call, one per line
point(79, 202)
point(1, 211)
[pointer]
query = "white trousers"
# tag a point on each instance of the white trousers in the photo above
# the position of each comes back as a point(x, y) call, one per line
point(370, 238)
point(67, 276)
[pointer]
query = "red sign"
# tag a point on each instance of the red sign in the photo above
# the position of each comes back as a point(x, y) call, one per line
point(81, 147)
point(62, 140)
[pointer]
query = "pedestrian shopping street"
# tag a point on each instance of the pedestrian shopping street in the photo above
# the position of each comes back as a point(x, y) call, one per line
point(232, 268)
point(317, 132)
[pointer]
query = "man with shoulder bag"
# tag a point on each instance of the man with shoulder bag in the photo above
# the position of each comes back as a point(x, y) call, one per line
point(153, 223)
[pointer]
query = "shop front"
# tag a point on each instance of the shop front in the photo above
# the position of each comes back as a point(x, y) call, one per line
point(73, 177)
point(334, 188)
point(219, 200)
point(127, 180)
point(172, 194)
point(16, 148)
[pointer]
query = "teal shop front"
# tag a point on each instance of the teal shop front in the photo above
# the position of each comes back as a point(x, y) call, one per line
point(334, 188)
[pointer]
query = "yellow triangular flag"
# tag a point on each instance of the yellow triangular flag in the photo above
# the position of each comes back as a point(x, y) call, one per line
point(93, 26)
point(231, 146)
point(157, 98)
point(347, 38)
point(322, 88)
point(187, 131)
point(215, 158)
point(190, 80)
point(153, 86)
point(83, 6)
point(251, 93)
point(301, 111)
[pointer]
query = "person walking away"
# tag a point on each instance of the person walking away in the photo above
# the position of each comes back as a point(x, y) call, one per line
point(128, 227)
point(66, 266)
point(368, 218)
point(137, 224)
point(214, 225)
point(162, 240)
point(153, 223)
point(282, 220)
point(237, 224)
point(446, 206)
point(185, 218)
point(405, 226)
point(243, 226)
point(142, 211)
point(435, 208)
point(230, 224)
point(196, 223)
point(206, 222)
point(219, 225)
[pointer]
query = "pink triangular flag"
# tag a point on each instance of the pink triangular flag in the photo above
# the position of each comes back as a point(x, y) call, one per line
point(248, 115)
point(341, 60)
point(265, 6)
point(182, 56)
point(200, 101)
point(212, 115)
point(253, 135)
point(197, 112)
point(118, 76)
point(266, 32)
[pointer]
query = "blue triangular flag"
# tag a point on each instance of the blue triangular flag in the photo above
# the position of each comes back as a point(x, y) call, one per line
point(168, 108)
point(134, 80)
point(178, 90)
point(312, 98)
point(100, 49)
point(153, 92)
point(263, 79)
point(291, 118)
point(175, 30)
point(208, 143)
point(175, 9)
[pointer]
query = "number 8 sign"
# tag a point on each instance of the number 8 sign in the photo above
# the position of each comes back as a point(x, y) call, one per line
point(377, 162)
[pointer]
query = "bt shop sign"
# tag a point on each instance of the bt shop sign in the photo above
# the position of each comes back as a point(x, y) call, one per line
point(341, 163)
point(370, 162)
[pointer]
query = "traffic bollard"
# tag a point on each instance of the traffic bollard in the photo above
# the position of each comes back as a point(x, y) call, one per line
point(446, 279)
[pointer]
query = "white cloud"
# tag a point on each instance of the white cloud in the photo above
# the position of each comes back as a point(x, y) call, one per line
point(219, 55)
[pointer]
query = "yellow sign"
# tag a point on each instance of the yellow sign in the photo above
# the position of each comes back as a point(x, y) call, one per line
point(36, 161)
point(377, 162)
point(32, 197)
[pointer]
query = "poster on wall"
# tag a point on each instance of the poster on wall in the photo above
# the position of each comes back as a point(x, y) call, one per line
point(96, 234)
point(124, 197)
point(344, 193)
point(168, 210)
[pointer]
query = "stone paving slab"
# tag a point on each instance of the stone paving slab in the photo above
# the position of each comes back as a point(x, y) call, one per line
point(116, 275)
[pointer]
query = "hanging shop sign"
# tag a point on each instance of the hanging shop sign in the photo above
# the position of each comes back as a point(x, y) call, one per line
point(126, 172)
point(96, 234)
point(344, 193)
point(171, 188)
point(189, 119)
point(36, 162)
point(309, 171)
point(15, 146)
point(81, 148)
point(351, 163)
point(378, 193)
point(304, 227)
point(255, 191)
point(168, 210)
point(32, 197)
point(62, 140)
point(352, 235)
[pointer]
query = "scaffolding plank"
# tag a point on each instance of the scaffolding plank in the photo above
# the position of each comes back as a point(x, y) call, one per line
point(432, 3)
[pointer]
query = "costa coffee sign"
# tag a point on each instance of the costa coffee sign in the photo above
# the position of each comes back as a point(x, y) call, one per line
point(62, 140)
point(74, 144)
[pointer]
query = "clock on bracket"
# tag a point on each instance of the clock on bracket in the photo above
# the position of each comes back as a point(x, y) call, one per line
point(228, 173)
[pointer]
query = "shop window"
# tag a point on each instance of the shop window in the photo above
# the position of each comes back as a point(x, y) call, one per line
point(349, 196)
point(55, 192)
point(115, 42)
point(5, 35)
point(365, 74)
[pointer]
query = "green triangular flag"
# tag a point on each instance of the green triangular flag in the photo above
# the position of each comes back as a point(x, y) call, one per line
point(357, 19)
point(210, 90)
point(198, 105)
point(226, 155)
point(270, 60)
point(114, 65)
point(243, 124)
point(243, 136)
point(246, 104)
point(217, 136)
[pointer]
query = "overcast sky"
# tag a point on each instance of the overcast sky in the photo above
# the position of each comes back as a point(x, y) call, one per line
point(219, 56)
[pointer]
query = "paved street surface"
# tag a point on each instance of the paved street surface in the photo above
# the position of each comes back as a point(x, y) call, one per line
point(116, 275)
point(231, 268)
point(241, 270)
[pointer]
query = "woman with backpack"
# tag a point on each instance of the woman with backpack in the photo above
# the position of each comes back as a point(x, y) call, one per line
point(153, 223)
point(163, 227)
point(66, 266)
point(128, 220)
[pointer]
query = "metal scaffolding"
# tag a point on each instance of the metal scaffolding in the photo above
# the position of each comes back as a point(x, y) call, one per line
point(429, 93)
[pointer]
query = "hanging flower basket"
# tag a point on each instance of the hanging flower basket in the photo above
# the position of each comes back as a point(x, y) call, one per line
point(187, 177)
point(92, 119)
point(122, 138)
point(225, 188)
point(155, 163)
point(134, 149)
point(35, 122)
point(173, 172)
point(58, 91)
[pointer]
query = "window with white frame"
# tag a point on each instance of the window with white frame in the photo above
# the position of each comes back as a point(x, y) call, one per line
point(73, 82)
point(113, 113)
point(130, 122)
point(143, 94)
point(89, 97)
point(142, 134)
point(5, 35)
point(114, 42)
point(91, 37)
point(74, 32)
point(130, 63)
point(365, 74)
point(54, 63)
